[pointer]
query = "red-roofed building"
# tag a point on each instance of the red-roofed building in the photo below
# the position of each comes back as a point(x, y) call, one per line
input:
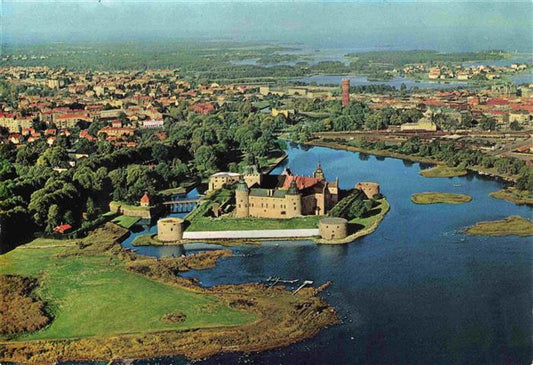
point(203, 108)
point(145, 200)
point(63, 228)
point(302, 182)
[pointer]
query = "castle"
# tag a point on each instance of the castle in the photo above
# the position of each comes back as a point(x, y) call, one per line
point(281, 196)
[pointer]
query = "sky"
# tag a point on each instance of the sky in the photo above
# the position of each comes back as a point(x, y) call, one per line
point(444, 26)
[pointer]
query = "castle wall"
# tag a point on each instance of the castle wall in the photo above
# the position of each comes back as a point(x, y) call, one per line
point(309, 204)
point(252, 179)
point(272, 207)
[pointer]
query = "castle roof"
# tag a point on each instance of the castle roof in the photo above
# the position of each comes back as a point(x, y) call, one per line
point(302, 182)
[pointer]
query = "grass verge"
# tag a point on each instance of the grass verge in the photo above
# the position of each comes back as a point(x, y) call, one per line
point(247, 224)
point(126, 221)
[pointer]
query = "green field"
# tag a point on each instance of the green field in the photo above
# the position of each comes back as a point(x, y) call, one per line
point(246, 224)
point(92, 295)
point(514, 225)
point(436, 198)
point(443, 171)
point(126, 221)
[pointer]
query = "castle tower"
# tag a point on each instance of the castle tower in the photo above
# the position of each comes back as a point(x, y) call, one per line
point(294, 201)
point(252, 173)
point(319, 173)
point(345, 92)
point(242, 209)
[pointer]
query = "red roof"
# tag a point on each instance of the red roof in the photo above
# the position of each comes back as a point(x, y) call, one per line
point(496, 101)
point(62, 228)
point(145, 198)
point(71, 116)
point(302, 182)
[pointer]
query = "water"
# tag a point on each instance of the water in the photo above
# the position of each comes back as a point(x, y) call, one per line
point(416, 290)
point(396, 82)
point(166, 251)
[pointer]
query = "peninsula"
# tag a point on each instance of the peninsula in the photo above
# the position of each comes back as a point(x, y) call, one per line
point(186, 319)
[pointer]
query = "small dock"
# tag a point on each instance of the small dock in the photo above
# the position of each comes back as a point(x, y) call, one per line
point(304, 284)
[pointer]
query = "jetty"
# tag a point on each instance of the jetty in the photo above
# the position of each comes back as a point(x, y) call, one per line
point(304, 284)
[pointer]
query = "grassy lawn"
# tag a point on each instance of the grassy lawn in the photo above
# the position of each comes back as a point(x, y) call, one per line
point(436, 198)
point(514, 225)
point(443, 171)
point(246, 224)
point(514, 195)
point(126, 221)
point(91, 295)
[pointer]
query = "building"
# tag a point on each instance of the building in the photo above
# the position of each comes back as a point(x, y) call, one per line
point(63, 228)
point(170, 229)
point(331, 228)
point(368, 188)
point(285, 196)
point(152, 124)
point(117, 131)
point(221, 179)
point(70, 120)
point(13, 123)
point(285, 112)
point(424, 124)
point(145, 200)
point(345, 92)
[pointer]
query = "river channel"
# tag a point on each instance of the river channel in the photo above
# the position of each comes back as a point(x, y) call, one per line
point(416, 291)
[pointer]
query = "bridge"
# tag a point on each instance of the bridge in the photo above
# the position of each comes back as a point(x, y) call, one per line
point(183, 206)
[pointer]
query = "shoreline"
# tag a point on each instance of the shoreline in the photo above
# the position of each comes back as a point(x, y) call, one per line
point(339, 146)
point(282, 318)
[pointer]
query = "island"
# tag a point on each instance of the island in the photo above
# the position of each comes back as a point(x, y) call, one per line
point(443, 171)
point(514, 195)
point(253, 206)
point(514, 225)
point(438, 198)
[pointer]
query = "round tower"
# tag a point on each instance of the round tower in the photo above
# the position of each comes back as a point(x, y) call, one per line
point(294, 201)
point(241, 200)
point(170, 229)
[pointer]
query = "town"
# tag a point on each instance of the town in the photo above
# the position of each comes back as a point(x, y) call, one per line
point(58, 120)
point(124, 168)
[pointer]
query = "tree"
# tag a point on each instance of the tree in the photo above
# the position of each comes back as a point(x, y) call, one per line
point(487, 124)
point(515, 126)
point(68, 217)
point(52, 219)
point(160, 152)
point(53, 157)
point(90, 210)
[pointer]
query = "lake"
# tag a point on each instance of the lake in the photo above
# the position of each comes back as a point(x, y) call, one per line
point(416, 290)
point(363, 80)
